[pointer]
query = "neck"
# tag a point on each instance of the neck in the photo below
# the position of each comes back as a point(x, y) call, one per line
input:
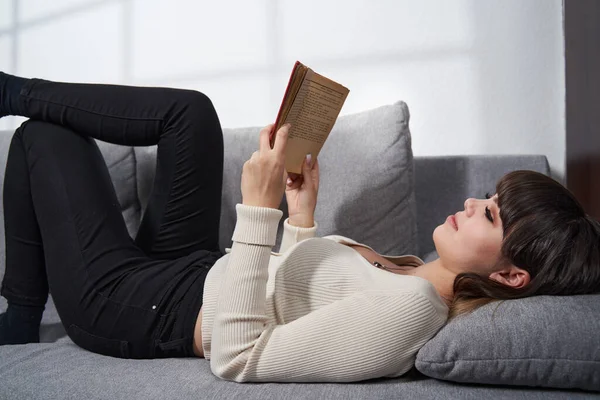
point(441, 278)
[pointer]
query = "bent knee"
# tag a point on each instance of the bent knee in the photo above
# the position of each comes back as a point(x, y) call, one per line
point(199, 103)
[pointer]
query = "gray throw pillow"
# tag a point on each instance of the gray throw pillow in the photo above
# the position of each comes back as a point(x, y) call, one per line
point(366, 189)
point(550, 341)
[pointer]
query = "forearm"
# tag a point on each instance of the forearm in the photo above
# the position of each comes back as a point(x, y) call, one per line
point(241, 310)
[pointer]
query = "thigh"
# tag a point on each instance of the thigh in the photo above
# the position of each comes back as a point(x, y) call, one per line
point(86, 244)
point(183, 212)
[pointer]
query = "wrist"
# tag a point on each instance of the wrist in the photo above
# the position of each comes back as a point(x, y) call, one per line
point(264, 204)
point(301, 221)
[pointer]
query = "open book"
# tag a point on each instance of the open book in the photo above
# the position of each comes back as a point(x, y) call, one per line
point(311, 104)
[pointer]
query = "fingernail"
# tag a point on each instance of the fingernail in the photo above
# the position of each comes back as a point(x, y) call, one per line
point(308, 158)
point(287, 125)
point(289, 181)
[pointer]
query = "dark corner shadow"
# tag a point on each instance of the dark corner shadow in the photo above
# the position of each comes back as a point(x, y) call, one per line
point(50, 333)
point(413, 375)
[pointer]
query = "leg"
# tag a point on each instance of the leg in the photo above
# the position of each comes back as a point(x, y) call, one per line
point(85, 242)
point(183, 212)
point(25, 284)
point(111, 297)
point(25, 281)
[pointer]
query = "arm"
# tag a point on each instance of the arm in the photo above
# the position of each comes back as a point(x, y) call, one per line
point(366, 335)
point(301, 196)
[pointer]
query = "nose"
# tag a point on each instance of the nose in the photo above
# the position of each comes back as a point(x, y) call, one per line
point(469, 205)
point(467, 201)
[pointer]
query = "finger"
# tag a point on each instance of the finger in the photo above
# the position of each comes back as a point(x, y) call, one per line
point(293, 176)
point(291, 185)
point(284, 178)
point(315, 173)
point(281, 139)
point(264, 136)
point(292, 179)
point(306, 168)
point(255, 155)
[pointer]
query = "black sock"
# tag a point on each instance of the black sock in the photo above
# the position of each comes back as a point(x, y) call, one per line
point(10, 88)
point(20, 324)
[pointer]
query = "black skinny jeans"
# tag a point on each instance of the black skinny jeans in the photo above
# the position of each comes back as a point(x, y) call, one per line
point(65, 231)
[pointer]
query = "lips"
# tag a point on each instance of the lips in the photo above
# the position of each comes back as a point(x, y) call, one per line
point(452, 221)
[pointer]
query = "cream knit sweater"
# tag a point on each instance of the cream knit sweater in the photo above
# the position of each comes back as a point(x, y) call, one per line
point(317, 311)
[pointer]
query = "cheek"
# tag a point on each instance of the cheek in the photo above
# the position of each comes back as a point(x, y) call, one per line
point(467, 250)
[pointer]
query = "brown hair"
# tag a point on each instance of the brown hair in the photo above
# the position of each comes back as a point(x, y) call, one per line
point(548, 234)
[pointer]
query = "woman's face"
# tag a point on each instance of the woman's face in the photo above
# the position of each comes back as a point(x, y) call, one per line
point(470, 240)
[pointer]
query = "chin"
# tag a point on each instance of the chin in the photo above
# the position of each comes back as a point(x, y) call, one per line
point(436, 235)
point(442, 241)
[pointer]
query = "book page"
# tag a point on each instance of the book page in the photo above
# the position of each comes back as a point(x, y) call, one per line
point(312, 115)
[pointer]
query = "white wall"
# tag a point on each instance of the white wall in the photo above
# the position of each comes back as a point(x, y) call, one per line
point(479, 76)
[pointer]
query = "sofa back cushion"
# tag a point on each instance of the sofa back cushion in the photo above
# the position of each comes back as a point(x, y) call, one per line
point(366, 179)
point(366, 189)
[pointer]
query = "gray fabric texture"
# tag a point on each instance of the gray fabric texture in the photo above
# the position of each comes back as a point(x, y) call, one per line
point(63, 371)
point(547, 341)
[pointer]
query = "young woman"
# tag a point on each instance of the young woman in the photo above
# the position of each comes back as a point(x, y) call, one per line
point(322, 309)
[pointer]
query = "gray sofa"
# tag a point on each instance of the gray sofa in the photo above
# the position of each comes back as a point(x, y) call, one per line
point(58, 369)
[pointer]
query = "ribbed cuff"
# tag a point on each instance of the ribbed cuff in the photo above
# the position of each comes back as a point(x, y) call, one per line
point(300, 233)
point(256, 225)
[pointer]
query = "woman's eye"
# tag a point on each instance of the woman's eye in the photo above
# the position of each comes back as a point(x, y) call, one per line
point(487, 196)
point(488, 214)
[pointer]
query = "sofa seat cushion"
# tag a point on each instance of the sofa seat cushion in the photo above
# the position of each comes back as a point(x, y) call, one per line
point(62, 370)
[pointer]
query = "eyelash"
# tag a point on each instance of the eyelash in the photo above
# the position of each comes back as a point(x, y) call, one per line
point(488, 213)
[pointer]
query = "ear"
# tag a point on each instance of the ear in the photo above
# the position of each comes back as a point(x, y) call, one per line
point(512, 276)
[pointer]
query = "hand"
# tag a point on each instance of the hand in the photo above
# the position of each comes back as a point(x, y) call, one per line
point(264, 175)
point(301, 194)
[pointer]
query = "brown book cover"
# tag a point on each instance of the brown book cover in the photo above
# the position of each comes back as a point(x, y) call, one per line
point(311, 105)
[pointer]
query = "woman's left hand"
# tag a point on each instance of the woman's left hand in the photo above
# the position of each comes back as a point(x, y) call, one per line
point(301, 194)
point(264, 175)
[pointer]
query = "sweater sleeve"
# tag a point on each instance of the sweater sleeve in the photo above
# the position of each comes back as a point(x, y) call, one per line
point(294, 234)
point(366, 335)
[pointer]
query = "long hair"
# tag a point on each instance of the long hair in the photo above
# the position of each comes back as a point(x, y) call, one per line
point(548, 234)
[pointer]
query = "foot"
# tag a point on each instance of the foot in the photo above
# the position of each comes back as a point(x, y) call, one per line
point(10, 88)
point(20, 325)
point(3, 111)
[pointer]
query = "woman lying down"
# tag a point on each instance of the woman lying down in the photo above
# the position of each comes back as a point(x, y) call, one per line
point(322, 309)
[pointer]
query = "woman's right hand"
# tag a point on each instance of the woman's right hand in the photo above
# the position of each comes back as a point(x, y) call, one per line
point(301, 194)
